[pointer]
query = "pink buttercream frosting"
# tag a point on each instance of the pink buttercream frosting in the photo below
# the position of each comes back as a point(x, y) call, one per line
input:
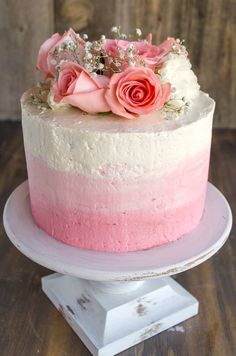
point(106, 215)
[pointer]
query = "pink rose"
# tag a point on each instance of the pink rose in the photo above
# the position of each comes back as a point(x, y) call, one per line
point(76, 86)
point(154, 56)
point(43, 55)
point(136, 91)
point(151, 55)
point(47, 56)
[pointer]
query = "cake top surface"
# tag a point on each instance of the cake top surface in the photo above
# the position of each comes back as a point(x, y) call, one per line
point(70, 117)
point(126, 76)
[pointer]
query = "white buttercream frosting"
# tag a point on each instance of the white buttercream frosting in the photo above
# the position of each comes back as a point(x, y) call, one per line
point(177, 71)
point(69, 140)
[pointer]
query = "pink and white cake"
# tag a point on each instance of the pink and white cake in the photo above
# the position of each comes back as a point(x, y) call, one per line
point(118, 146)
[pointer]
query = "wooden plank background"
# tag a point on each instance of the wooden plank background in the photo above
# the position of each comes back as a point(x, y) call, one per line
point(208, 26)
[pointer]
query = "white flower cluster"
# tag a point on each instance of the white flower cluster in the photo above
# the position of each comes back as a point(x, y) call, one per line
point(185, 88)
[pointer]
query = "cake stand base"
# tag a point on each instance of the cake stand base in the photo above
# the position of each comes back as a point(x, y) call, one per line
point(116, 300)
point(110, 317)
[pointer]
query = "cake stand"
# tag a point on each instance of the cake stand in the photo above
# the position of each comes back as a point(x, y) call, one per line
point(116, 300)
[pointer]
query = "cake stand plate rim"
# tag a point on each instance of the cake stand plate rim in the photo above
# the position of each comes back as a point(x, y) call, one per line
point(166, 260)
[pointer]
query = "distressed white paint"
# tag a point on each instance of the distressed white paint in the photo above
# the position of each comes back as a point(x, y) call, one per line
point(109, 323)
point(117, 287)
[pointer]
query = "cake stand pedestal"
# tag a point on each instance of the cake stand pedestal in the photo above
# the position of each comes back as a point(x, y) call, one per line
point(114, 301)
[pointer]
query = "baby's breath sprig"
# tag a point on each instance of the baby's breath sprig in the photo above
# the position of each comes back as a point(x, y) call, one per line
point(177, 106)
point(127, 57)
point(138, 32)
point(93, 59)
point(93, 56)
point(39, 97)
point(98, 60)
point(116, 31)
point(67, 50)
point(118, 34)
point(178, 47)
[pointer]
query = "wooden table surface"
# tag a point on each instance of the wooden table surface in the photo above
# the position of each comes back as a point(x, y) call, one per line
point(31, 326)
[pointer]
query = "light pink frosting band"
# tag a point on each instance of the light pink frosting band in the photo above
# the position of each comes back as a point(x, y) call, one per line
point(118, 217)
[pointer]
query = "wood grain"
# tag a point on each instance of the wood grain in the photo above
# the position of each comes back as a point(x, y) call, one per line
point(24, 25)
point(30, 325)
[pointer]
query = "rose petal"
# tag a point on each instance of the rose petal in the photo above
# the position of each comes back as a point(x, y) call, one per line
point(43, 54)
point(166, 89)
point(102, 81)
point(149, 38)
point(91, 102)
point(84, 83)
point(114, 104)
point(152, 55)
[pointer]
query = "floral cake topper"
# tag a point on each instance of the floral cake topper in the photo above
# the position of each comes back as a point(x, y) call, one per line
point(126, 77)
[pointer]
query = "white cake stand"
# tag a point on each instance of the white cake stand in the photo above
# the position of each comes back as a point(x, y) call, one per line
point(114, 301)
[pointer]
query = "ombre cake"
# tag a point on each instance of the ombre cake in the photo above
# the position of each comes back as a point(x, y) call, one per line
point(118, 179)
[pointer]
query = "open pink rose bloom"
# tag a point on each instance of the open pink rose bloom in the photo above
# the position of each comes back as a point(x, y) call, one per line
point(114, 75)
point(135, 92)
